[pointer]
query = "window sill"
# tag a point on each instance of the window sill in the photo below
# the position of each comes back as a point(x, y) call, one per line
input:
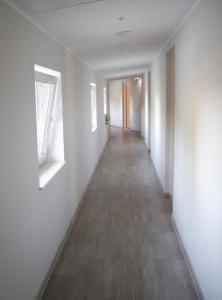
point(94, 130)
point(47, 171)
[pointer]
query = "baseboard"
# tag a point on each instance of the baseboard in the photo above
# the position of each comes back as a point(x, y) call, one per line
point(59, 251)
point(157, 176)
point(168, 196)
point(187, 261)
point(186, 258)
point(168, 199)
point(114, 126)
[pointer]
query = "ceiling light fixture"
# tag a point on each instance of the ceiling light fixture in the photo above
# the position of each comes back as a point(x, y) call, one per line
point(123, 33)
point(120, 18)
point(137, 79)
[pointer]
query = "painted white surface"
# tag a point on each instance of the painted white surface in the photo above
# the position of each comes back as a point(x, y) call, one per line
point(47, 171)
point(158, 117)
point(33, 222)
point(144, 109)
point(135, 104)
point(90, 29)
point(198, 141)
point(116, 103)
point(125, 72)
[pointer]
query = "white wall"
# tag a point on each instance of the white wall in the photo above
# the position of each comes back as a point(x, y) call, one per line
point(145, 109)
point(198, 140)
point(33, 222)
point(135, 104)
point(144, 113)
point(158, 117)
point(116, 103)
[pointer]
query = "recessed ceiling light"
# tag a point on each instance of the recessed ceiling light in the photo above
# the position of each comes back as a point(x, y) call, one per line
point(123, 33)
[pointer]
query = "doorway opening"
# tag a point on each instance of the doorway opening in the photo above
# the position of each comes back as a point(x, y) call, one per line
point(126, 99)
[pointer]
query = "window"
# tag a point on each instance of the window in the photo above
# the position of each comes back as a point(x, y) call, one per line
point(105, 101)
point(50, 144)
point(93, 106)
point(45, 99)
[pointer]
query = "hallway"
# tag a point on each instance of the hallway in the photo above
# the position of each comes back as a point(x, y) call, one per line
point(122, 245)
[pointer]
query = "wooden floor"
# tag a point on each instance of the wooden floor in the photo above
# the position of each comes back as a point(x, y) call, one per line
point(122, 245)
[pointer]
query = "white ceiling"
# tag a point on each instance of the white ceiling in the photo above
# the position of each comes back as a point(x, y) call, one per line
point(88, 27)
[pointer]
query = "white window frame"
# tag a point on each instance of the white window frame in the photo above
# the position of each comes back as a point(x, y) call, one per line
point(50, 134)
point(93, 106)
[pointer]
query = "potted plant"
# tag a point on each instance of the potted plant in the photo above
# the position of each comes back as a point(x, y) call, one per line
point(106, 117)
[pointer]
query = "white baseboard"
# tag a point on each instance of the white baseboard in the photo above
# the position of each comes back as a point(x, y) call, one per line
point(187, 261)
point(157, 176)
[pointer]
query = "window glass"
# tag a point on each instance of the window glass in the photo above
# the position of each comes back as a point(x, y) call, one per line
point(45, 98)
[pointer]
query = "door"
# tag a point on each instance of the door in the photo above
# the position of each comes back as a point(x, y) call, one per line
point(126, 104)
point(170, 120)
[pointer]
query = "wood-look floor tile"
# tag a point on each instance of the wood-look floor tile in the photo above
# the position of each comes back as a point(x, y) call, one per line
point(122, 245)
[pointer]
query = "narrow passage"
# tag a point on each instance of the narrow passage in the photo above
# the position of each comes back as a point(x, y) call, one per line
point(122, 245)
